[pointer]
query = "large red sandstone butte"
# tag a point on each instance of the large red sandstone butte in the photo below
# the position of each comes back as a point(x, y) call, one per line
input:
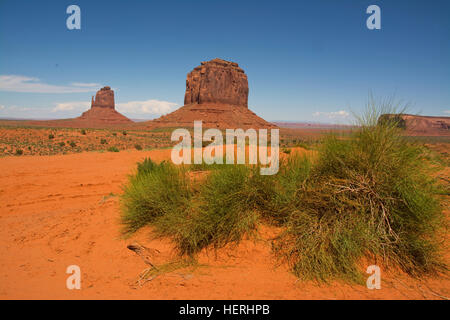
point(217, 81)
point(102, 111)
point(217, 94)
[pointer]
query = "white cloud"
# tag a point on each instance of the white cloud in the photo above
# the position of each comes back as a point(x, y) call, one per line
point(146, 107)
point(447, 111)
point(60, 110)
point(74, 105)
point(17, 83)
point(87, 85)
point(341, 114)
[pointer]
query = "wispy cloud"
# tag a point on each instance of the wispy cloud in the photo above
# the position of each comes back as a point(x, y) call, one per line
point(140, 109)
point(73, 105)
point(341, 114)
point(147, 107)
point(85, 85)
point(447, 111)
point(19, 83)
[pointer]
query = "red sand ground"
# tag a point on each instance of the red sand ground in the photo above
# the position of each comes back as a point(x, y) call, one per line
point(56, 211)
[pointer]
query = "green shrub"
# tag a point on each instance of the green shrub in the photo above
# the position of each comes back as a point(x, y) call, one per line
point(51, 136)
point(368, 196)
point(113, 149)
point(146, 166)
point(225, 212)
point(138, 147)
point(61, 144)
point(83, 132)
point(157, 190)
point(124, 133)
point(73, 144)
point(19, 152)
point(103, 141)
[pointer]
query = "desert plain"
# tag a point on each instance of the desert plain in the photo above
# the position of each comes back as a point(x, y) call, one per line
point(61, 206)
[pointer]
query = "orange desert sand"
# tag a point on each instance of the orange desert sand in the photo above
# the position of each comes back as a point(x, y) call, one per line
point(63, 210)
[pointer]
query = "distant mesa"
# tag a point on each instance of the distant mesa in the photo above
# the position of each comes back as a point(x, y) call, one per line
point(420, 125)
point(102, 111)
point(217, 94)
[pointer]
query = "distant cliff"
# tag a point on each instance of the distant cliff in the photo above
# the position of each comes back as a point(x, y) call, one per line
point(420, 125)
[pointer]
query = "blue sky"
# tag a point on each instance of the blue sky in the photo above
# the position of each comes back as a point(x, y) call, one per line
point(305, 60)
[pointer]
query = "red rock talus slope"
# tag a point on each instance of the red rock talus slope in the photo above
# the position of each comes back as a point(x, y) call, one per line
point(421, 125)
point(217, 94)
point(222, 116)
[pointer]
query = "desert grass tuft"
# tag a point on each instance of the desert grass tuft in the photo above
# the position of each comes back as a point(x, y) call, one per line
point(156, 190)
point(224, 212)
point(369, 195)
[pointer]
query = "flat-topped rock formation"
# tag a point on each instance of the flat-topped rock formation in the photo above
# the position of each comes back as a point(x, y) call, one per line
point(217, 94)
point(421, 125)
point(103, 110)
point(217, 81)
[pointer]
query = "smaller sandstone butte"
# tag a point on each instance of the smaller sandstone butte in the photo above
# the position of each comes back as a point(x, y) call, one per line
point(102, 111)
point(104, 98)
point(217, 81)
point(420, 125)
point(216, 94)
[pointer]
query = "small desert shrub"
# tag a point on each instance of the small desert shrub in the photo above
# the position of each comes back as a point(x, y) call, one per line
point(83, 132)
point(277, 195)
point(51, 136)
point(146, 166)
point(368, 196)
point(113, 149)
point(234, 198)
point(19, 152)
point(73, 144)
point(225, 212)
point(61, 144)
point(114, 134)
point(157, 190)
point(103, 141)
point(138, 147)
point(124, 133)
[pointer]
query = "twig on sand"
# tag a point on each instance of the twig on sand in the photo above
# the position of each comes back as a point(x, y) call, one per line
point(145, 254)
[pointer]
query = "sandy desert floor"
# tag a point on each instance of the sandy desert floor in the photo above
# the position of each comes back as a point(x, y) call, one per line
point(63, 210)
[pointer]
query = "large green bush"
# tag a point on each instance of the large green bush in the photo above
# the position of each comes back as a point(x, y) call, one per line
point(366, 196)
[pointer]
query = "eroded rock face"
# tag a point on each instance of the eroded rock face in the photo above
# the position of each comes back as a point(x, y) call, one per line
point(102, 111)
point(217, 81)
point(104, 98)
